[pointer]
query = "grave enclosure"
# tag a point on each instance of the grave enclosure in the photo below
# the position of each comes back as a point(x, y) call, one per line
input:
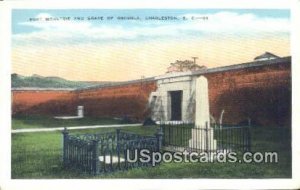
point(106, 152)
point(103, 153)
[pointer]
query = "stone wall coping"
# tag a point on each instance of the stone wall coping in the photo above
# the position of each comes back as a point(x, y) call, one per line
point(244, 65)
point(174, 75)
point(115, 84)
point(41, 89)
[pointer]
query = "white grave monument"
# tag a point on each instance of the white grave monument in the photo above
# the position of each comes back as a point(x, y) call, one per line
point(80, 111)
point(201, 138)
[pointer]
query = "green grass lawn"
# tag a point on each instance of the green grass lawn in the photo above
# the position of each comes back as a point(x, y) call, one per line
point(39, 155)
point(22, 122)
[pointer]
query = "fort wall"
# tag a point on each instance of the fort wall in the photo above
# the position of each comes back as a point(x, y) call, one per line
point(261, 92)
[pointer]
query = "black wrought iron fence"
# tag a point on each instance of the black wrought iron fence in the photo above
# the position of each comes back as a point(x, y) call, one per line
point(203, 138)
point(106, 152)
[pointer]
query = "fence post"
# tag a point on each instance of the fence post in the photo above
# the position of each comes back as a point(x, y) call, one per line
point(249, 121)
point(249, 137)
point(118, 135)
point(159, 135)
point(206, 130)
point(118, 147)
point(65, 145)
point(95, 156)
point(163, 130)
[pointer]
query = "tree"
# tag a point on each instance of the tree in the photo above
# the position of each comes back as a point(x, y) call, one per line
point(181, 66)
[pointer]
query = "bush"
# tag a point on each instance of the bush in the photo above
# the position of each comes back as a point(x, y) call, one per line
point(148, 121)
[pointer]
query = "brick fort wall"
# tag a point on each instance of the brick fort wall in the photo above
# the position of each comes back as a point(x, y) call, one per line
point(262, 94)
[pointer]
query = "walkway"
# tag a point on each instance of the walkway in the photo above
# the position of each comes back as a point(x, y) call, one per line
point(73, 128)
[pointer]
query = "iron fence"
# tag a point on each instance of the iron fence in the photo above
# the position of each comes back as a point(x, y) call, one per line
point(34, 156)
point(178, 137)
point(106, 152)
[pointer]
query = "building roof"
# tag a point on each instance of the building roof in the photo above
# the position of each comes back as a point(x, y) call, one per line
point(266, 56)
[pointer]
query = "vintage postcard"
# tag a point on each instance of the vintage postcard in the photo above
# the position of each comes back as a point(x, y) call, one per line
point(151, 93)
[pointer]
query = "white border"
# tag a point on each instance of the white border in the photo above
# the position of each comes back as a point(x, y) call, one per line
point(295, 46)
point(5, 98)
point(166, 4)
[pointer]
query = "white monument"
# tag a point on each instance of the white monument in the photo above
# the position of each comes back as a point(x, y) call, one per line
point(80, 111)
point(202, 135)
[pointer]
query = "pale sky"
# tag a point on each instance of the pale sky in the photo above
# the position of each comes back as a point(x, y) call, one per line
point(118, 50)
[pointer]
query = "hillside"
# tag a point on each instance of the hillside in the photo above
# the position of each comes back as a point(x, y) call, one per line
point(38, 81)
